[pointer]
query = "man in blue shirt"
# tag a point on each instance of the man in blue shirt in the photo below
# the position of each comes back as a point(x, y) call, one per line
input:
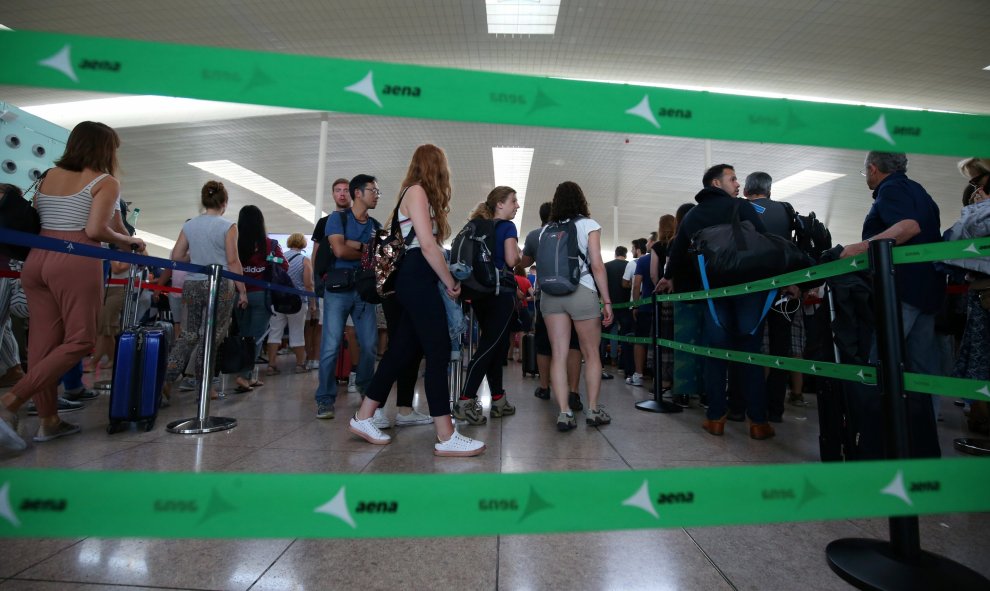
point(642, 287)
point(904, 211)
point(348, 234)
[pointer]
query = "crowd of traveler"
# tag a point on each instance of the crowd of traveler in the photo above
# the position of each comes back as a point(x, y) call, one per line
point(339, 333)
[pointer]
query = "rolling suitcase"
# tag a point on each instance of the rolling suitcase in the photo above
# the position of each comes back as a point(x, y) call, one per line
point(343, 369)
point(528, 346)
point(139, 370)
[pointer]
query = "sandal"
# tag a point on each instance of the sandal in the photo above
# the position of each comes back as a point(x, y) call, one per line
point(272, 371)
point(301, 368)
point(257, 384)
point(243, 389)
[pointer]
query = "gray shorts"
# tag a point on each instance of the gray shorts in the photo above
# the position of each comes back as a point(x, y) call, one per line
point(582, 304)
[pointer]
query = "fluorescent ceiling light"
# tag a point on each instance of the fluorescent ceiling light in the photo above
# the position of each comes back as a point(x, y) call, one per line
point(134, 111)
point(522, 17)
point(155, 239)
point(5, 28)
point(987, 68)
point(511, 167)
point(802, 181)
point(764, 94)
point(256, 183)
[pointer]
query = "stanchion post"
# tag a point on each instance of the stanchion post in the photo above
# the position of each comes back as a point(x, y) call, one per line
point(899, 564)
point(203, 422)
point(657, 404)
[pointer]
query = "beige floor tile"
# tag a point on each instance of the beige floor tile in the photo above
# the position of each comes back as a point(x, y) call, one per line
point(21, 553)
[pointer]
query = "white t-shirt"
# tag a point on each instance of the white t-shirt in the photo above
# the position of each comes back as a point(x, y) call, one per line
point(627, 275)
point(584, 227)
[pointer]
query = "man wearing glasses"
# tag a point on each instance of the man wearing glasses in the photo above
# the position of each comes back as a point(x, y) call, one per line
point(349, 233)
point(904, 211)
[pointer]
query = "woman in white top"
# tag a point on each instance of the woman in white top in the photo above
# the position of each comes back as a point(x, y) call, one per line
point(422, 214)
point(77, 201)
point(580, 307)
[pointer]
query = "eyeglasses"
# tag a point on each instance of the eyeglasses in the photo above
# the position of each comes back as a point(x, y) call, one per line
point(376, 191)
point(975, 183)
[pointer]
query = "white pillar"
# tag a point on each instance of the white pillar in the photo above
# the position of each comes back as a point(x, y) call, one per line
point(708, 154)
point(321, 168)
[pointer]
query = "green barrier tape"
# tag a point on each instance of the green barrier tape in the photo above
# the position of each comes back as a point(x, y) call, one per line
point(628, 339)
point(66, 503)
point(943, 386)
point(942, 251)
point(375, 88)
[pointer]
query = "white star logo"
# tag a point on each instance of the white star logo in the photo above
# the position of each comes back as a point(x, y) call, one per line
point(6, 511)
point(814, 368)
point(879, 129)
point(641, 500)
point(861, 375)
point(854, 263)
point(62, 61)
point(337, 506)
point(365, 87)
point(972, 248)
point(896, 488)
point(985, 391)
point(643, 110)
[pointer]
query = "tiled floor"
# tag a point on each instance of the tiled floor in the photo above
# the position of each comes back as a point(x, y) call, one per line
point(278, 432)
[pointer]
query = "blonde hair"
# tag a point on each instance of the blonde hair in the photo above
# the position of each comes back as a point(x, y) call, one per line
point(486, 209)
point(429, 169)
point(296, 240)
point(974, 167)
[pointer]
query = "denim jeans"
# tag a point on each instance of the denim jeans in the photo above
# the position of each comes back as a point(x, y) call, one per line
point(738, 315)
point(72, 379)
point(253, 322)
point(336, 308)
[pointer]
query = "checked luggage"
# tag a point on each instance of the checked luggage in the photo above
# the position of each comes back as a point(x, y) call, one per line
point(343, 369)
point(528, 346)
point(139, 370)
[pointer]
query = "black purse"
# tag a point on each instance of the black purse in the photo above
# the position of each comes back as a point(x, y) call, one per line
point(17, 213)
point(236, 353)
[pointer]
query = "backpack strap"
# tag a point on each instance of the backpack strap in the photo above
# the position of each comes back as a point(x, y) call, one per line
point(711, 305)
point(394, 229)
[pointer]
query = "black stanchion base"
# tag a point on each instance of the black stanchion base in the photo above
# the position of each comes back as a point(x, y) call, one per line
point(871, 564)
point(972, 446)
point(661, 406)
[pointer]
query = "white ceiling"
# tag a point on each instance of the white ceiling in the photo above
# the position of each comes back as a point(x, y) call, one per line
point(902, 52)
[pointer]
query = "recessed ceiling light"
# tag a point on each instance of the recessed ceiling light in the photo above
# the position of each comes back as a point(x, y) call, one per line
point(5, 28)
point(155, 239)
point(802, 181)
point(522, 17)
point(256, 183)
point(133, 111)
point(511, 167)
point(987, 68)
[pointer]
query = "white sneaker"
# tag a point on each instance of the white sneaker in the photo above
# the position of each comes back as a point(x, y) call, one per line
point(413, 418)
point(380, 420)
point(459, 446)
point(367, 430)
point(352, 383)
point(635, 380)
point(313, 364)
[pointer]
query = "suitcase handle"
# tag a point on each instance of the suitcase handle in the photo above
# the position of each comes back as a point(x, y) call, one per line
point(131, 295)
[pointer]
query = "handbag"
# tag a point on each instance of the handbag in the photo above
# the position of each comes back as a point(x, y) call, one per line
point(389, 252)
point(17, 213)
point(236, 353)
point(365, 279)
point(281, 302)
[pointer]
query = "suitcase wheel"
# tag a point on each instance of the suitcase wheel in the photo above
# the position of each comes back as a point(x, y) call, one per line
point(149, 425)
point(113, 428)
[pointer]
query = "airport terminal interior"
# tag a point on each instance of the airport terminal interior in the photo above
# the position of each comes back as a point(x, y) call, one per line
point(907, 54)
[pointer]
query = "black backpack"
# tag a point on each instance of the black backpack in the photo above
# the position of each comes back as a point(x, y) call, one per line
point(558, 259)
point(472, 257)
point(810, 234)
point(16, 213)
point(281, 302)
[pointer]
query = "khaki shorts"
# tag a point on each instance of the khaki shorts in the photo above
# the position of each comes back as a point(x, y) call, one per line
point(582, 304)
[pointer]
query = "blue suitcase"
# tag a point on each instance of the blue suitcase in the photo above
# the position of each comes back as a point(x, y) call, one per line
point(138, 377)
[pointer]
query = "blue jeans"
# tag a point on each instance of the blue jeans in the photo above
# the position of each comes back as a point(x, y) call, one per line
point(72, 380)
point(336, 308)
point(738, 315)
point(253, 322)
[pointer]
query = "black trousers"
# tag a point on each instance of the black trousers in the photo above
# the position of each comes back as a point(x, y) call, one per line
point(779, 328)
point(494, 315)
point(421, 330)
point(405, 388)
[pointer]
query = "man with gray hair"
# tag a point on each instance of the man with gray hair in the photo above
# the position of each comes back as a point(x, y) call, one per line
point(778, 217)
point(904, 211)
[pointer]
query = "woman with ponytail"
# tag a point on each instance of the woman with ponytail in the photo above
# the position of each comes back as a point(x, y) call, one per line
point(493, 311)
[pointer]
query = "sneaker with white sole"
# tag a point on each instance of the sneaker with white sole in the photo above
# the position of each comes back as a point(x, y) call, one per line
point(367, 430)
point(566, 422)
point(324, 410)
point(459, 446)
point(635, 380)
point(352, 383)
point(61, 430)
point(413, 418)
point(469, 410)
point(8, 431)
point(188, 384)
point(63, 406)
point(80, 394)
point(501, 407)
point(380, 420)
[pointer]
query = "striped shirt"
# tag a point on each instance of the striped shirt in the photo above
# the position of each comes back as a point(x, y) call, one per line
point(69, 212)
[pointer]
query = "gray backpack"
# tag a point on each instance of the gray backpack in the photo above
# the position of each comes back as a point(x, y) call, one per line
point(558, 259)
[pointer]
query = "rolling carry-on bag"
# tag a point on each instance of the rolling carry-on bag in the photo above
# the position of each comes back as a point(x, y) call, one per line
point(528, 346)
point(139, 370)
point(343, 369)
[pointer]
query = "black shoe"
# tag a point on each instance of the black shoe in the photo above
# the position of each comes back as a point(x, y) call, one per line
point(574, 401)
point(607, 376)
point(703, 401)
point(776, 418)
point(542, 393)
point(81, 395)
point(682, 400)
point(737, 417)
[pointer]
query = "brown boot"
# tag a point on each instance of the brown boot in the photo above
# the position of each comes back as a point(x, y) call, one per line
point(715, 426)
point(761, 431)
point(13, 375)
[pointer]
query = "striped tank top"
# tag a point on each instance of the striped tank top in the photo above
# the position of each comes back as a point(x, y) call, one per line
point(66, 213)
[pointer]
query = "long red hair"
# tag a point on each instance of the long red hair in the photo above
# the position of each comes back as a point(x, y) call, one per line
point(429, 169)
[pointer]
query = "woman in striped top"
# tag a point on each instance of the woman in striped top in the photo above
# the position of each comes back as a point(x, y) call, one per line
point(77, 201)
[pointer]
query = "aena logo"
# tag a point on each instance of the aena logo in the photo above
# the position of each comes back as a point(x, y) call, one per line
point(396, 90)
point(103, 65)
point(377, 507)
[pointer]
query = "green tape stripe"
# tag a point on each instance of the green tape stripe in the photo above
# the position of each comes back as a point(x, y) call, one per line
point(943, 386)
point(628, 339)
point(375, 88)
point(942, 251)
point(65, 503)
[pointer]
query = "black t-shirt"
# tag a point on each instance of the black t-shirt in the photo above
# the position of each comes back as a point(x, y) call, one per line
point(320, 231)
point(613, 271)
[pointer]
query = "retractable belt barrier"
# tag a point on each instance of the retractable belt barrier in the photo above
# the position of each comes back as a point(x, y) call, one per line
point(66, 503)
point(98, 252)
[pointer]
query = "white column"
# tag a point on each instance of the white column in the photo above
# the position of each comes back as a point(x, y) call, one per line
point(708, 154)
point(321, 168)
